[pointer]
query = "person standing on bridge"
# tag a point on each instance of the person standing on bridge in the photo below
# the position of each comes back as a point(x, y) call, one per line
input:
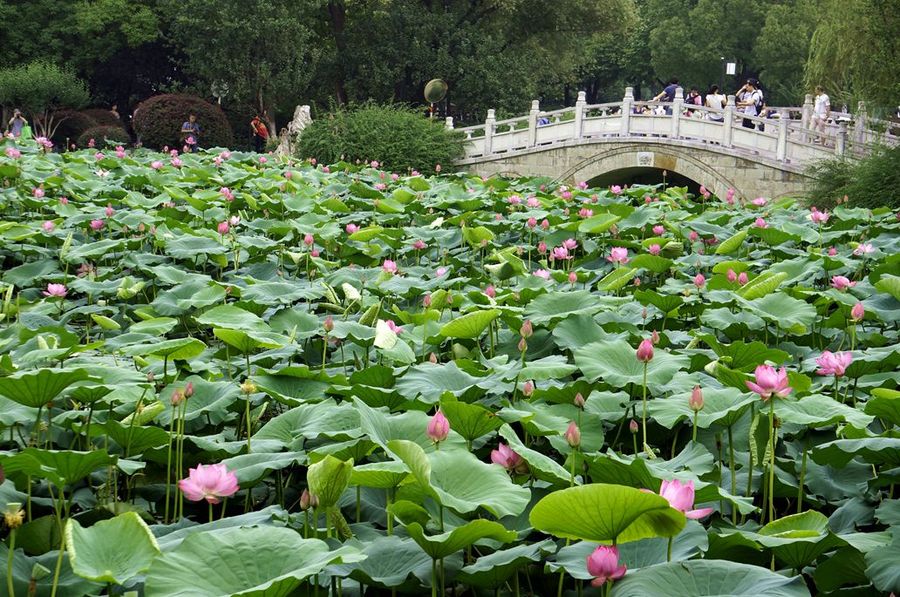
point(821, 112)
point(668, 94)
point(717, 101)
point(749, 100)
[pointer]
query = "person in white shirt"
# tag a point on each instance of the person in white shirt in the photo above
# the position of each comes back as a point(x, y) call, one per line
point(821, 111)
point(749, 100)
point(716, 100)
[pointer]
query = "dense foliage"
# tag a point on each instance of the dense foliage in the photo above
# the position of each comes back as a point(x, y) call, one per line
point(424, 383)
point(870, 182)
point(99, 135)
point(396, 136)
point(494, 54)
point(40, 89)
point(158, 121)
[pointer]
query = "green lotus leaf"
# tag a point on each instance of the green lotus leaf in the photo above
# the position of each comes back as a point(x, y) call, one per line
point(113, 550)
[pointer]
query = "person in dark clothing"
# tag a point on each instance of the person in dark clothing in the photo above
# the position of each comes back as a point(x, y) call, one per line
point(668, 94)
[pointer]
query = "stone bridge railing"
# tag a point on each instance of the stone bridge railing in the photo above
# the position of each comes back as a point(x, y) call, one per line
point(784, 137)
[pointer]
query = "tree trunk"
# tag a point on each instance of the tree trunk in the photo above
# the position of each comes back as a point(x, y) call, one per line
point(337, 14)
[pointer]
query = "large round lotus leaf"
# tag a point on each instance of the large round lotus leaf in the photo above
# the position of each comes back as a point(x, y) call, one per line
point(615, 363)
point(606, 513)
point(708, 578)
point(244, 561)
point(111, 551)
point(37, 388)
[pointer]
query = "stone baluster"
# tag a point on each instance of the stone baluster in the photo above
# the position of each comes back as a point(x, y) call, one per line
point(860, 133)
point(677, 108)
point(627, 107)
point(532, 122)
point(806, 116)
point(781, 147)
point(489, 124)
point(840, 140)
point(448, 122)
point(580, 103)
point(728, 122)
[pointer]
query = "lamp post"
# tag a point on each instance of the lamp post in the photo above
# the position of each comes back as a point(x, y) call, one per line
point(722, 80)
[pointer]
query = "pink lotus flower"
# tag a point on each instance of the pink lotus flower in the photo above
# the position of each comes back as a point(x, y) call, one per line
point(633, 426)
point(528, 388)
point(566, 195)
point(217, 161)
point(585, 212)
point(326, 169)
point(56, 290)
point(120, 151)
point(760, 223)
point(742, 278)
point(156, 165)
point(832, 251)
point(579, 400)
point(263, 159)
point(514, 199)
point(531, 223)
point(603, 565)
point(426, 301)
point(654, 338)
point(615, 189)
point(570, 243)
point(863, 249)
point(659, 230)
point(389, 266)
point(770, 382)
point(393, 327)
point(545, 224)
point(99, 156)
point(705, 192)
point(561, 254)
point(819, 217)
point(223, 228)
point(645, 351)
point(176, 162)
point(857, 312)
point(681, 497)
point(234, 220)
point(542, 273)
point(48, 226)
point(38, 192)
point(573, 435)
point(693, 236)
point(759, 201)
point(109, 211)
point(696, 399)
point(841, 283)
point(438, 427)
point(542, 248)
point(380, 186)
point(440, 272)
point(352, 228)
point(226, 193)
point(97, 224)
point(12, 152)
point(533, 202)
point(418, 244)
point(618, 255)
point(490, 291)
point(833, 363)
point(732, 277)
point(699, 280)
point(573, 277)
point(209, 482)
point(309, 240)
point(508, 459)
point(654, 249)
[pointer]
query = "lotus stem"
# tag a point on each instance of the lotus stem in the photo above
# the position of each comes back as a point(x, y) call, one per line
point(10, 588)
point(801, 481)
point(169, 466)
point(694, 431)
point(57, 508)
point(772, 460)
point(647, 448)
point(731, 469)
point(669, 549)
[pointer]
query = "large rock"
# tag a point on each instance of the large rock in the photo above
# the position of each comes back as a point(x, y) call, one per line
point(290, 133)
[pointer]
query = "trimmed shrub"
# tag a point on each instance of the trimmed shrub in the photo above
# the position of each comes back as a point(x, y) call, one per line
point(72, 125)
point(871, 182)
point(103, 117)
point(399, 137)
point(103, 135)
point(158, 120)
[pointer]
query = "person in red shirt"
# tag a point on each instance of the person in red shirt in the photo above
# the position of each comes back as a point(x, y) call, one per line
point(260, 133)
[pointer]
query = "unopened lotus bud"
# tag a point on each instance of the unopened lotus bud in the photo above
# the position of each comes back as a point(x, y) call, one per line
point(633, 426)
point(654, 337)
point(304, 500)
point(523, 345)
point(573, 435)
point(189, 390)
point(696, 399)
point(528, 388)
point(432, 358)
point(177, 397)
point(426, 301)
point(579, 400)
point(328, 325)
point(858, 312)
point(527, 329)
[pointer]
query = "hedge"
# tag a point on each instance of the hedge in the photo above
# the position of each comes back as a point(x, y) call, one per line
point(158, 120)
point(101, 134)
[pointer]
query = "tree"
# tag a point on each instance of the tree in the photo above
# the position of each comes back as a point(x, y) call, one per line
point(261, 50)
point(40, 89)
point(781, 51)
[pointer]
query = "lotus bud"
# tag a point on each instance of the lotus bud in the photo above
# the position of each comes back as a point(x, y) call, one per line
point(523, 345)
point(633, 426)
point(654, 337)
point(573, 435)
point(742, 278)
point(579, 400)
point(528, 388)
point(304, 500)
point(328, 325)
point(177, 397)
point(696, 399)
point(426, 301)
point(438, 427)
point(432, 358)
point(645, 351)
point(189, 389)
point(858, 312)
point(527, 329)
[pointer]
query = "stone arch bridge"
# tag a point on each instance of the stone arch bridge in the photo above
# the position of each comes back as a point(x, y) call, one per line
point(636, 141)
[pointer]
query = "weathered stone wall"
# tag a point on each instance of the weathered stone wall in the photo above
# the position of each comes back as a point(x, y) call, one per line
point(715, 167)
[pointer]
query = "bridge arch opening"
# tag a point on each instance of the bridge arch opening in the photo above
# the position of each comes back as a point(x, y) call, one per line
point(644, 175)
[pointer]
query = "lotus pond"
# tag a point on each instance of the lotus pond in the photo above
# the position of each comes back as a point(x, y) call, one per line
point(222, 374)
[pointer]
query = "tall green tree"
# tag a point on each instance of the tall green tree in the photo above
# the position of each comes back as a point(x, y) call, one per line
point(40, 89)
